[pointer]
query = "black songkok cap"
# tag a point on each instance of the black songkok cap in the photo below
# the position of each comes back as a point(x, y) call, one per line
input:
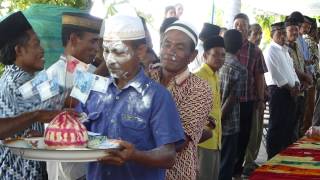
point(12, 27)
point(291, 22)
point(81, 21)
point(297, 16)
point(212, 42)
point(209, 30)
point(277, 26)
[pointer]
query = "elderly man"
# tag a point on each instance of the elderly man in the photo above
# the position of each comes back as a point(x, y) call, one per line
point(255, 36)
point(192, 95)
point(133, 108)
point(291, 26)
point(22, 55)
point(283, 84)
point(209, 150)
point(251, 57)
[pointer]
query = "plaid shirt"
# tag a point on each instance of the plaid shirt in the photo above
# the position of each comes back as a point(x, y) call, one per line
point(256, 65)
point(233, 76)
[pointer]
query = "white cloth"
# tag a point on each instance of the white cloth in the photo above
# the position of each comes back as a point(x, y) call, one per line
point(197, 62)
point(65, 170)
point(123, 27)
point(280, 66)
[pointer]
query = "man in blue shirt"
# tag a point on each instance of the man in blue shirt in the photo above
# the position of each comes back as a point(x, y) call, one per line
point(134, 109)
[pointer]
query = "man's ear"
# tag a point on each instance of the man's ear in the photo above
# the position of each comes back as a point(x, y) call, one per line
point(18, 50)
point(193, 55)
point(73, 39)
point(141, 51)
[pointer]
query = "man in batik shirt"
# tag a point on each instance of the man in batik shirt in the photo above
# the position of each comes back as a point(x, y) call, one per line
point(22, 55)
point(192, 95)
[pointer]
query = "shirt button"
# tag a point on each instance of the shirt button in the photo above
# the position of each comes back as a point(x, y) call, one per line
point(117, 97)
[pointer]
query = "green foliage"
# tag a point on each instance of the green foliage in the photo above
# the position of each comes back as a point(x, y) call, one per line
point(1, 69)
point(265, 22)
point(23, 4)
point(111, 6)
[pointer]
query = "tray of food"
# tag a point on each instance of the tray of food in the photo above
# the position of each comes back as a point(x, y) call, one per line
point(66, 140)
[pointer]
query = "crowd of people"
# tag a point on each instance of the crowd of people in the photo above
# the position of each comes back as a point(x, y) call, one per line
point(193, 112)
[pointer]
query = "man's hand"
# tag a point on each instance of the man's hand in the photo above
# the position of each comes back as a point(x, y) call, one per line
point(119, 157)
point(294, 91)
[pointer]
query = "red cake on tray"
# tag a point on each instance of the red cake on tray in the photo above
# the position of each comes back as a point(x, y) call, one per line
point(66, 131)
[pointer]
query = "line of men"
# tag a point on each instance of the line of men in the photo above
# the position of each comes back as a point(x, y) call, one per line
point(160, 119)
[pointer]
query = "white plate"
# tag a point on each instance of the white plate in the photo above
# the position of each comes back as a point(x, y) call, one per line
point(23, 148)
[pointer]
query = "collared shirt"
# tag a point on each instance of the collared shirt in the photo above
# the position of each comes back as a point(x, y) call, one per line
point(304, 50)
point(255, 65)
point(233, 77)
point(13, 104)
point(206, 73)
point(193, 98)
point(280, 66)
point(303, 47)
point(142, 113)
point(199, 60)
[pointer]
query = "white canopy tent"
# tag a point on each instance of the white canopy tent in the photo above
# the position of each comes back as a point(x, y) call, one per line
point(285, 7)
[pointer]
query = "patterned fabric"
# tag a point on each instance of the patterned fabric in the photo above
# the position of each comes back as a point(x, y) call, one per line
point(255, 65)
point(193, 98)
point(206, 73)
point(233, 77)
point(297, 57)
point(299, 161)
point(12, 104)
point(314, 52)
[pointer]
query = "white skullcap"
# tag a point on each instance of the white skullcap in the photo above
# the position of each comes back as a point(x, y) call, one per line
point(185, 27)
point(123, 27)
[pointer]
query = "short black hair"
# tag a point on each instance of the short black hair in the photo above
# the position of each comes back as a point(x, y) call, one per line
point(136, 43)
point(8, 52)
point(67, 31)
point(232, 41)
point(166, 23)
point(241, 16)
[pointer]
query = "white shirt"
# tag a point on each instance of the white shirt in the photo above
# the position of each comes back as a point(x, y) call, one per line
point(280, 66)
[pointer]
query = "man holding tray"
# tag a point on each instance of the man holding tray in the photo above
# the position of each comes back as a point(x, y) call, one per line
point(134, 109)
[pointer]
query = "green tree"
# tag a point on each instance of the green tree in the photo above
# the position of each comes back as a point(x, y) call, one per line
point(23, 4)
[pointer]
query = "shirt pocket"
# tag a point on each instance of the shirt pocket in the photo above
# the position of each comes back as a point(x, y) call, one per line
point(133, 122)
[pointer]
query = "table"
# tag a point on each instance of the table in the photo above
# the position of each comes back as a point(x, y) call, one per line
point(300, 161)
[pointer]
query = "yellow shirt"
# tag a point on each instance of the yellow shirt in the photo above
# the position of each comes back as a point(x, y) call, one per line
point(206, 73)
